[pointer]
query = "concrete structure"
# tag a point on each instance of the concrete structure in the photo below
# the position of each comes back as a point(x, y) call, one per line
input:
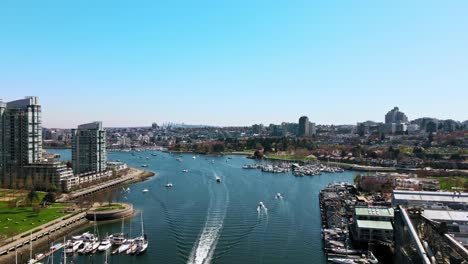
point(116, 165)
point(20, 137)
point(89, 148)
point(45, 174)
point(303, 130)
point(373, 223)
point(395, 116)
point(453, 200)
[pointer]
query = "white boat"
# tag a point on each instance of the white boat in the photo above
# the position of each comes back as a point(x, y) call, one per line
point(218, 179)
point(142, 241)
point(342, 260)
point(278, 196)
point(145, 190)
point(184, 170)
point(118, 238)
point(85, 247)
point(194, 157)
point(144, 165)
point(105, 245)
point(261, 206)
point(169, 184)
point(125, 246)
point(94, 247)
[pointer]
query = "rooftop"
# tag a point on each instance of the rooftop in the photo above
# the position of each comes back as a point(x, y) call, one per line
point(369, 224)
point(431, 196)
point(447, 215)
point(374, 211)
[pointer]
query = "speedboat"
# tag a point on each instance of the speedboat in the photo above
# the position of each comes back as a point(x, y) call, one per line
point(169, 184)
point(144, 165)
point(278, 196)
point(184, 170)
point(218, 179)
point(194, 157)
point(145, 190)
point(105, 245)
point(261, 206)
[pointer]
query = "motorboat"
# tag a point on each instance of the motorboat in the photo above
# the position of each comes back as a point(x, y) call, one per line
point(145, 190)
point(84, 248)
point(261, 206)
point(184, 170)
point(169, 184)
point(179, 159)
point(144, 165)
point(278, 196)
point(105, 244)
point(218, 179)
point(194, 157)
point(117, 239)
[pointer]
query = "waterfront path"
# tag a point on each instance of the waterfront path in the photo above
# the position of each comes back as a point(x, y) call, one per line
point(44, 230)
point(98, 187)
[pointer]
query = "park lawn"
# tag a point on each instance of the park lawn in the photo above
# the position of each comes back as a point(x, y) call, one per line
point(446, 183)
point(109, 207)
point(17, 220)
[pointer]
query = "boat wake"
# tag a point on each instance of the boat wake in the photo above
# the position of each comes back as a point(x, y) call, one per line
point(204, 248)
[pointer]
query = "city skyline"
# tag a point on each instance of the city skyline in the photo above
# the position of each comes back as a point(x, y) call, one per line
point(235, 64)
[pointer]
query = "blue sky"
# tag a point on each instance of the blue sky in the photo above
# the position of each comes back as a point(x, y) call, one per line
point(129, 63)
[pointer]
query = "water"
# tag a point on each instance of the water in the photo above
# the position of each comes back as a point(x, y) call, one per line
point(201, 221)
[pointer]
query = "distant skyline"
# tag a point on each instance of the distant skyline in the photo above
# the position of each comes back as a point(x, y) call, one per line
point(235, 63)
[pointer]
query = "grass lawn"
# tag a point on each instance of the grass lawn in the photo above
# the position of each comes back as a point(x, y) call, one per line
point(446, 183)
point(14, 221)
point(109, 207)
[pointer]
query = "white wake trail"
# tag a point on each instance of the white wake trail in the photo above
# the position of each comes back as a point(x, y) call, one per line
point(204, 248)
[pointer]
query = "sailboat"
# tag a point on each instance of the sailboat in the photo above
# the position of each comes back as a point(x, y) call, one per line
point(95, 244)
point(142, 241)
point(118, 239)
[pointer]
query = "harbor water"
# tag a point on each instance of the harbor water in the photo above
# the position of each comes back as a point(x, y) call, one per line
point(201, 221)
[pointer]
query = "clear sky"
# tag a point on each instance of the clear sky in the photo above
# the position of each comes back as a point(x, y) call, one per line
point(129, 63)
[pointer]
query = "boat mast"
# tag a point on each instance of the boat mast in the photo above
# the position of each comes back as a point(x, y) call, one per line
point(142, 232)
point(64, 253)
point(122, 231)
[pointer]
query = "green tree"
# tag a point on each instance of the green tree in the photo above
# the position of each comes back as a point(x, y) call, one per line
point(32, 196)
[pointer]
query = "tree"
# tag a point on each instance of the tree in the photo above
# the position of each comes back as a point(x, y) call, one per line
point(32, 196)
point(49, 198)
